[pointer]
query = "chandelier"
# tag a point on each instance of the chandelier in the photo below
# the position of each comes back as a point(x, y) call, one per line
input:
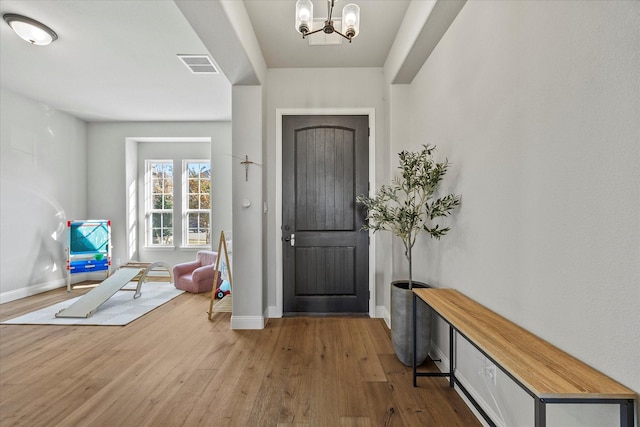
point(350, 20)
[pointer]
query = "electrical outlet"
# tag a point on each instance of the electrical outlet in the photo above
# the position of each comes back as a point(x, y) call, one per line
point(490, 372)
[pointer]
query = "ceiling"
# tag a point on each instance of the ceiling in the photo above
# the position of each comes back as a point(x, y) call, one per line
point(117, 60)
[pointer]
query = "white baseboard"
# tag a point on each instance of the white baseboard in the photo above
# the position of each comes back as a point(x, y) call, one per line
point(273, 312)
point(247, 322)
point(27, 291)
point(443, 366)
point(437, 354)
point(383, 313)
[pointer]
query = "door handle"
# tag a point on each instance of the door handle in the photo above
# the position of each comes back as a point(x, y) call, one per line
point(291, 239)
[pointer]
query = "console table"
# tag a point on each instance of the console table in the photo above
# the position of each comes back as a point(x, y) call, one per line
point(546, 373)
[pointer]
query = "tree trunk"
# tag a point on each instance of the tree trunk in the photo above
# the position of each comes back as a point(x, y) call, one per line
point(410, 271)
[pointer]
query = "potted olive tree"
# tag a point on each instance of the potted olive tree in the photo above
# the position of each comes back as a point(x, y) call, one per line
point(408, 207)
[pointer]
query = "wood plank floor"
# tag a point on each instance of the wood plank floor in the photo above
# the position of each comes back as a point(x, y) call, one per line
point(174, 367)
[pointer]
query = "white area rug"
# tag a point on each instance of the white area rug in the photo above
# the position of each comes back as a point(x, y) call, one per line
point(118, 310)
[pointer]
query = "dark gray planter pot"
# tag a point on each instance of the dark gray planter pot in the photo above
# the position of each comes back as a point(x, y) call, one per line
point(402, 323)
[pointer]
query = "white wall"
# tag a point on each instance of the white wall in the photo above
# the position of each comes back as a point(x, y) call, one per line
point(248, 235)
point(324, 88)
point(537, 104)
point(107, 175)
point(43, 184)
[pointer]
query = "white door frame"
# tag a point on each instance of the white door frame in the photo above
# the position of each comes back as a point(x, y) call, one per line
point(278, 204)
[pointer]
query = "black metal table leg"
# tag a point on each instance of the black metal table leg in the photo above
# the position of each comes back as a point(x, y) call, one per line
point(415, 339)
point(626, 413)
point(452, 356)
point(540, 413)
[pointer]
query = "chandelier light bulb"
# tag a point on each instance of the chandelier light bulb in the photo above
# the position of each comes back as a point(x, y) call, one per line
point(350, 19)
point(305, 14)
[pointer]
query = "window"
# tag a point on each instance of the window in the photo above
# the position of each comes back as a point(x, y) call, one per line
point(196, 202)
point(159, 176)
point(193, 204)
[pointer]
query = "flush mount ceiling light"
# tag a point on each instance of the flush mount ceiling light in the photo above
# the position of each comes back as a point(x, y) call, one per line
point(30, 30)
point(350, 20)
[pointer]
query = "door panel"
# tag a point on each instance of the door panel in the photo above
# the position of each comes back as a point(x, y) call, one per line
point(325, 252)
point(325, 271)
point(324, 179)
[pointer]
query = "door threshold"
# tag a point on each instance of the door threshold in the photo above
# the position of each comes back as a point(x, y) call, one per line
point(302, 314)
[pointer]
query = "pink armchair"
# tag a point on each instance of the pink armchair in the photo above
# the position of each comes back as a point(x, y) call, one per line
point(197, 276)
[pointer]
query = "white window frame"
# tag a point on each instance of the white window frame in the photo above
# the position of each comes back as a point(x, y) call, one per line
point(186, 210)
point(150, 210)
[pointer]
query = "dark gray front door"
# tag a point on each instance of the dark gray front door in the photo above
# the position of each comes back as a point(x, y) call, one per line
point(325, 253)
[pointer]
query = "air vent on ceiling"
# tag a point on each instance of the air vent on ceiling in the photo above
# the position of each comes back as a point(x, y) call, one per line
point(199, 64)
